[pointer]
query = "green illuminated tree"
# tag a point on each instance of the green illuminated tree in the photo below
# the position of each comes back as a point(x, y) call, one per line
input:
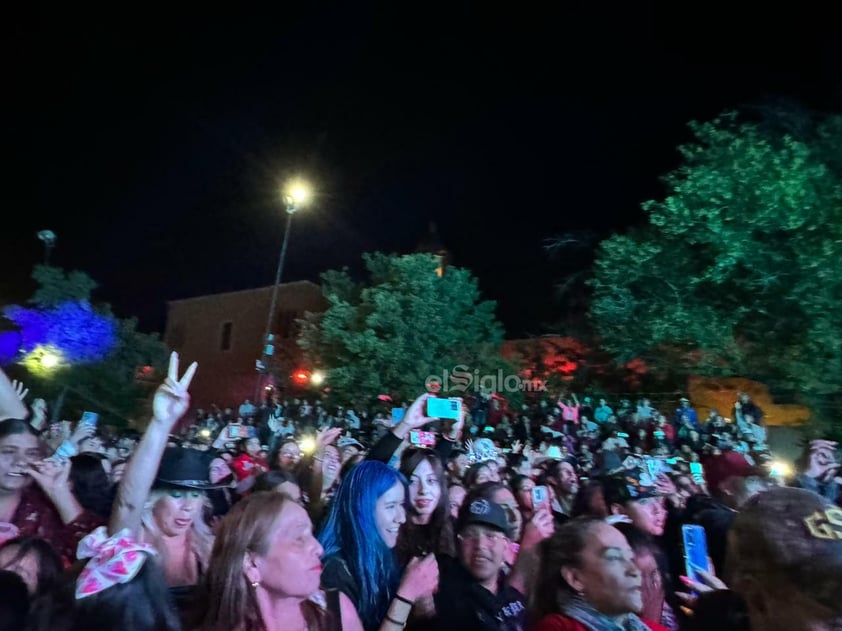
point(739, 268)
point(406, 323)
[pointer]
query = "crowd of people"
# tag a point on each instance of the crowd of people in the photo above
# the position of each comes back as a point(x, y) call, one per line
point(564, 514)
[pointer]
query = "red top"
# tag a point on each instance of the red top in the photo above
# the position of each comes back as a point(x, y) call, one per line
point(245, 465)
point(557, 622)
point(36, 516)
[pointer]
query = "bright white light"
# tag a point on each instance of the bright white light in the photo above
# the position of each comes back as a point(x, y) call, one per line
point(780, 469)
point(307, 445)
point(49, 360)
point(298, 192)
point(317, 378)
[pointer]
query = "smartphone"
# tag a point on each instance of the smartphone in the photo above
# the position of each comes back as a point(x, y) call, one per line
point(622, 435)
point(91, 418)
point(697, 472)
point(444, 408)
point(539, 498)
point(422, 439)
point(659, 434)
point(234, 431)
point(695, 551)
point(398, 414)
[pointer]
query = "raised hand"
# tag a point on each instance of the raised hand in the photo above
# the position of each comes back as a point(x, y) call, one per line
point(171, 398)
point(51, 475)
point(420, 579)
point(416, 417)
point(20, 390)
point(327, 436)
point(82, 431)
point(540, 527)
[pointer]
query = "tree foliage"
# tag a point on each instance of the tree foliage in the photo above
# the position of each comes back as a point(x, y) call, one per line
point(406, 323)
point(739, 269)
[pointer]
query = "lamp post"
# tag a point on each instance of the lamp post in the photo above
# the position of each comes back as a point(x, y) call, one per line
point(296, 194)
point(48, 238)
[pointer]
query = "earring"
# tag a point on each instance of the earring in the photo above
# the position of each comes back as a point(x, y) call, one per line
point(255, 584)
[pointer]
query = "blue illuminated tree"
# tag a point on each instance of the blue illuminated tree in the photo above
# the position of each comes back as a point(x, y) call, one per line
point(94, 357)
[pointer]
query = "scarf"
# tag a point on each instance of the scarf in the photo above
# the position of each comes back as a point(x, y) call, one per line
point(584, 613)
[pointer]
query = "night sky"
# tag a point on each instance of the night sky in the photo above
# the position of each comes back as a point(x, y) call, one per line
point(152, 144)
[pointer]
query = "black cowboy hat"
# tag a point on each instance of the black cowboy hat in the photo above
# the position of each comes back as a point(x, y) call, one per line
point(185, 469)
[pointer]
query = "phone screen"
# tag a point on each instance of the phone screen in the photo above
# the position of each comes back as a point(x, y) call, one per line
point(695, 551)
point(697, 472)
point(422, 439)
point(444, 408)
point(540, 499)
point(90, 418)
point(233, 431)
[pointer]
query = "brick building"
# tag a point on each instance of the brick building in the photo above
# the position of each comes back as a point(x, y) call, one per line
point(224, 333)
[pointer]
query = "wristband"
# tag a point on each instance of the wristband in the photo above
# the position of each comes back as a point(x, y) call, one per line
point(404, 600)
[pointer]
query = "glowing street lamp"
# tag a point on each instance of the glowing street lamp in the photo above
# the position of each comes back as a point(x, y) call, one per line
point(295, 194)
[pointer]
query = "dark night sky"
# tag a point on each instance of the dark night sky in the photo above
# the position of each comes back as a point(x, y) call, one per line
point(152, 144)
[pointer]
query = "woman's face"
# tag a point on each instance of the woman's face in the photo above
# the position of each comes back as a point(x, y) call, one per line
point(175, 512)
point(288, 456)
point(607, 575)
point(25, 567)
point(292, 565)
point(649, 515)
point(424, 489)
point(493, 471)
point(331, 462)
point(390, 514)
point(17, 452)
point(252, 446)
point(483, 475)
point(455, 497)
point(219, 470)
point(524, 495)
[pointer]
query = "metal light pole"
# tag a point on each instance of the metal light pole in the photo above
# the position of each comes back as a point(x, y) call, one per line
point(48, 237)
point(298, 194)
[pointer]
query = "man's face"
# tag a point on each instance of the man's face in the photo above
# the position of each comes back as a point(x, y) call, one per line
point(568, 481)
point(481, 551)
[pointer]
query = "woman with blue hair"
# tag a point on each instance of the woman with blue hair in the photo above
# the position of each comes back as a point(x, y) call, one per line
point(359, 537)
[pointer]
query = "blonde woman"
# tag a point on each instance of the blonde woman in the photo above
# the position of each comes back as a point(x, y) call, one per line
point(166, 510)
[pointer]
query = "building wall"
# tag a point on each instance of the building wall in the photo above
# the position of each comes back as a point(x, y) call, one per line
point(224, 334)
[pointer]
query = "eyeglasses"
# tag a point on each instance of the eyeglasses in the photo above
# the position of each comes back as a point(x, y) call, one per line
point(473, 535)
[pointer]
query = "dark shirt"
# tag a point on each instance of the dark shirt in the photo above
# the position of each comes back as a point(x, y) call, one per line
point(336, 575)
point(463, 604)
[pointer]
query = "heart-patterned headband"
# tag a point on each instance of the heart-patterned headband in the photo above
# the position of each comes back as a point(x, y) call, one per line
point(113, 560)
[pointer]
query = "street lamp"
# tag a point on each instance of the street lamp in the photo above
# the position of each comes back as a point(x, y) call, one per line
point(295, 194)
point(48, 238)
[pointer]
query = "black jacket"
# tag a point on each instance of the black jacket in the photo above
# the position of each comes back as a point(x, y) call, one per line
point(462, 604)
